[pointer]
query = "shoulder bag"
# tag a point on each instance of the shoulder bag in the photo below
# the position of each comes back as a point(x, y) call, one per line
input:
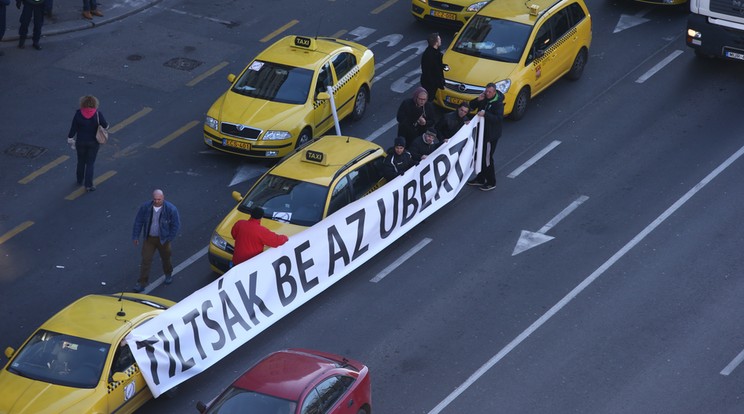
point(101, 133)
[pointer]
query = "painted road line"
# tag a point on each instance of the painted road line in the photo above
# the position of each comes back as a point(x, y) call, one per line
point(175, 134)
point(733, 364)
point(80, 191)
point(27, 179)
point(207, 74)
point(198, 16)
point(279, 31)
point(407, 255)
point(659, 66)
point(381, 130)
point(585, 283)
point(196, 256)
point(533, 160)
point(383, 6)
point(118, 127)
point(339, 33)
point(19, 228)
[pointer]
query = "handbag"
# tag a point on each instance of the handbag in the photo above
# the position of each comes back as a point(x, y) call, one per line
point(101, 133)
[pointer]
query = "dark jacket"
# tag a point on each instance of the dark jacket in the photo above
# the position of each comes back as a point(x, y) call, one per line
point(170, 222)
point(408, 115)
point(432, 75)
point(395, 165)
point(86, 128)
point(449, 125)
point(419, 147)
point(494, 114)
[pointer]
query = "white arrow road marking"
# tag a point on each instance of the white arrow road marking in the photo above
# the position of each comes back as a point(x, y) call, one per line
point(533, 160)
point(361, 32)
point(528, 239)
point(659, 66)
point(627, 21)
point(420, 46)
point(401, 85)
point(391, 40)
point(243, 174)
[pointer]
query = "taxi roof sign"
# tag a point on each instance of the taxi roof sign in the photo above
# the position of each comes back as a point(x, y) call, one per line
point(315, 157)
point(302, 42)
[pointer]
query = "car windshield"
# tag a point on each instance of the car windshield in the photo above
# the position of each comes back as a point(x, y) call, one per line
point(494, 39)
point(61, 359)
point(274, 82)
point(287, 200)
point(239, 401)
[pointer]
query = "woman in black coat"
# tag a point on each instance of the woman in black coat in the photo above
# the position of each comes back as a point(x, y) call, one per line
point(85, 125)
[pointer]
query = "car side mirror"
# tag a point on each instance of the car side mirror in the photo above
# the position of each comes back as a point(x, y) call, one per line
point(231, 78)
point(201, 406)
point(323, 96)
point(119, 377)
point(9, 351)
point(237, 196)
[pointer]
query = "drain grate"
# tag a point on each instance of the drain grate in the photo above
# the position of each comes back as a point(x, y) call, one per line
point(24, 150)
point(181, 63)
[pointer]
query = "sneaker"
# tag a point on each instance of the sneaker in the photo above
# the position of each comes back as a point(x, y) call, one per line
point(90, 189)
point(487, 187)
point(168, 279)
point(138, 288)
point(475, 182)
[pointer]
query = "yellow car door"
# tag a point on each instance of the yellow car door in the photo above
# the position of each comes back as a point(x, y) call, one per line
point(126, 385)
point(346, 74)
point(322, 115)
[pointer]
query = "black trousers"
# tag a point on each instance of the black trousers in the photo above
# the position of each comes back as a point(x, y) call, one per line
point(37, 13)
point(86, 158)
point(2, 21)
point(488, 170)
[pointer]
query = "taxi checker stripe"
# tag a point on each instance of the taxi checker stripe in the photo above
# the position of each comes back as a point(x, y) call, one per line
point(555, 45)
point(133, 369)
point(353, 72)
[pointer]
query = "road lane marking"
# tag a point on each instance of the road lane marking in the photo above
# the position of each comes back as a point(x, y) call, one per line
point(186, 263)
point(339, 33)
point(19, 228)
point(279, 31)
point(121, 125)
point(530, 239)
point(175, 134)
point(659, 66)
point(381, 130)
point(383, 6)
point(227, 23)
point(80, 191)
point(27, 179)
point(533, 160)
point(584, 284)
point(207, 74)
point(733, 364)
point(407, 255)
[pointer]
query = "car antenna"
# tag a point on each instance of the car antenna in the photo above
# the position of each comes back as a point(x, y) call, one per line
point(121, 312)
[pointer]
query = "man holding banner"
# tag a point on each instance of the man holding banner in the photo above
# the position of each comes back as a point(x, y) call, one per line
point(490, 107)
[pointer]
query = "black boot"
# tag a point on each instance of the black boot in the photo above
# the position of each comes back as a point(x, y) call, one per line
point(21, 42)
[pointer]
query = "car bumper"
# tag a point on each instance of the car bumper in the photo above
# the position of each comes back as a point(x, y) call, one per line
point(219, 260)
point(426, 13)
point(246, 148)
point(715, 40)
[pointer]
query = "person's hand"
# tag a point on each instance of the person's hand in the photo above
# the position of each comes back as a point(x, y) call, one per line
point(136, 242)
point(482, 113)
point(482, 96)
point(421, 120)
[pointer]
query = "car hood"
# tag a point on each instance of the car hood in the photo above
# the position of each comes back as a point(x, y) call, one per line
point(227, 223)
point(475, 71)
point(257, 113)
point(22, 395)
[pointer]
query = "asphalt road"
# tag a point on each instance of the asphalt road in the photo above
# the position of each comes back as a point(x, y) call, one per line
point(632, 307)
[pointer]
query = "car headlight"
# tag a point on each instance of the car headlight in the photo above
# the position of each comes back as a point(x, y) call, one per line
point(503, 86)
point(219, 242)
point(212, 123)
point(276, 135)
point(477, 6)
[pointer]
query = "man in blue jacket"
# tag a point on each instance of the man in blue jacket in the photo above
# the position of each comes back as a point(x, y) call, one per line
point(157, 222)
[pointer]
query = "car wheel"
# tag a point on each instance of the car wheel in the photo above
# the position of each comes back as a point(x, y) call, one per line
point(304, 138)
point(360, 104)
point(520, 104)
point(578, 65)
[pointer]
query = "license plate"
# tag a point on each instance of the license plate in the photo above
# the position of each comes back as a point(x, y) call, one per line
point(453, 101)
point(236, 144)
point(739, 55)
point(444, 15)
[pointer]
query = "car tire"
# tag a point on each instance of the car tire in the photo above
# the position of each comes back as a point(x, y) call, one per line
point(304, 137)
point(577, 68)
point(520, 104)
point(360, 104)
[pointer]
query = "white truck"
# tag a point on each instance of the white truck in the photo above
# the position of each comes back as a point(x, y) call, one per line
point(715, 28)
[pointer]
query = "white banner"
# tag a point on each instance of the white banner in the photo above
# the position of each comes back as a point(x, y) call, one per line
point(210, 323)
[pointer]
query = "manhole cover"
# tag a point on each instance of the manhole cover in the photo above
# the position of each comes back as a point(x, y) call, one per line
point(182, 63)
point(24, 150)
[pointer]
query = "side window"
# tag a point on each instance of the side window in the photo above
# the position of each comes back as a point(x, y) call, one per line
point(123, 359)
point(312, 403)
point(561, 23)
point(331, 390)
point(576, 13)
point(543, 40)
point(343, 63)
point(363, 180)
point(325, 79)
point(340, 196)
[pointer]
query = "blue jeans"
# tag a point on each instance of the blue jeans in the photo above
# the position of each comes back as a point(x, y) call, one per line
point(86, 157)
point(89, 5)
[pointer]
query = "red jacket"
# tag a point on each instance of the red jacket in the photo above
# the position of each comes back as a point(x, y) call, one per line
point(251, 237)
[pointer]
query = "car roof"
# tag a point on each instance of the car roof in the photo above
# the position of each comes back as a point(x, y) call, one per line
point(285, 374)
point(95, 316)
point(285, 52)
point(516, 10)
point(338, 151)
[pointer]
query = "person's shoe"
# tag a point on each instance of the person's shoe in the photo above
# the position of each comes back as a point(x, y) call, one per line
point(21, 43)
point(475, 182)
point(168, 279)
point(96, 13)
point(90, 189)
point(86, 14)
point(138, 288)
point(37, 46)
point(487, 187)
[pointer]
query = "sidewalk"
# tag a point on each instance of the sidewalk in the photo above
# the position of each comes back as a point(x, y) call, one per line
point(67, 16)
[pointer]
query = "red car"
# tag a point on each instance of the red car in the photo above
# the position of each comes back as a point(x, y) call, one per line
point(297, 381)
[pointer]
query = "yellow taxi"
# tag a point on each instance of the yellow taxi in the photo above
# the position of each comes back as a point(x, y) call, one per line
point(447, 13)
point(310, 184)
point(281, 100)
point(521, 46)
point(77, 362)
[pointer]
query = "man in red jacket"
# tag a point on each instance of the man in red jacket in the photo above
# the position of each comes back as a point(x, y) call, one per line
point(251, 237)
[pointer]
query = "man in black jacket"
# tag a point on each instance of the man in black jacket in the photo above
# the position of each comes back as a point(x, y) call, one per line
point(490, 106)
point(453, 121)
point(424, 145)
point(397, 161)
point(416, 115)
point(35, 9)
point(432, 67)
